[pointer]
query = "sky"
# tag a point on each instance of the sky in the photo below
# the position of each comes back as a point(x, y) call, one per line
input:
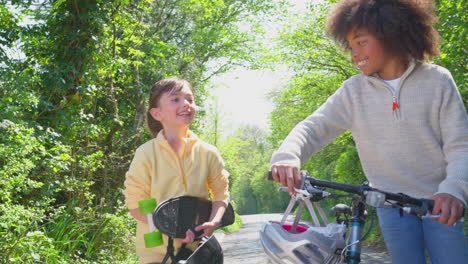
point(242, 94)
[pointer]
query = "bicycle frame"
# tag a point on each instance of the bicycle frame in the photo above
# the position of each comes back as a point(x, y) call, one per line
point(356, 225)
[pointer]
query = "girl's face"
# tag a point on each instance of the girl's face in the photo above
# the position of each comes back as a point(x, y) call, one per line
point(368, 54)
point(175, 109)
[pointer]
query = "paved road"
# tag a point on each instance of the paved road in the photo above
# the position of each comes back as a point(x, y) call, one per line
point(243, 246)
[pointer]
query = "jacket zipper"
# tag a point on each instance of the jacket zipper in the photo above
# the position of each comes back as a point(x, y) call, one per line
point(181, 166)
point(395, 104)
point(184, 179)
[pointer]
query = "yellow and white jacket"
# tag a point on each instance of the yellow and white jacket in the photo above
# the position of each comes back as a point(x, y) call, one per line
point(158, 172)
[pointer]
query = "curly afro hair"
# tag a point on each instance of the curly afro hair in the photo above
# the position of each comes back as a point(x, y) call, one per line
point(404, 27)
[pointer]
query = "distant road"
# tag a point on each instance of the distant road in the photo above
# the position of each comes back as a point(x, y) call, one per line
point(243, 246)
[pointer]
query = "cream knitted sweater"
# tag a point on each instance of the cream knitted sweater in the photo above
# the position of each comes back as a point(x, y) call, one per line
point(420, 148)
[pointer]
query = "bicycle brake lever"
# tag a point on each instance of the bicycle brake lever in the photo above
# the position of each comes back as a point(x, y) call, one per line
point(430, 216)
point(301, 191)
point(427, 215)
point(305, 194)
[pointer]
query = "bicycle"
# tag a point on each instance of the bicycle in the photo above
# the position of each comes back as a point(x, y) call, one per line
point(335, 242)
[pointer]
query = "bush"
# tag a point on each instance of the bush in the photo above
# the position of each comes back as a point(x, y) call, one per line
point(235, 226)
point(42, 219)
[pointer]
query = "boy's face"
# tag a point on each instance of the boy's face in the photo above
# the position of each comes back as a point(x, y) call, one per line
point(176, 108)
point(368, 53)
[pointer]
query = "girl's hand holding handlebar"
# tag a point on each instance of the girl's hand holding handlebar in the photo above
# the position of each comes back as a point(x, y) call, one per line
point(286, 175)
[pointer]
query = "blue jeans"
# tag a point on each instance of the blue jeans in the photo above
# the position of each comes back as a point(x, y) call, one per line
point(407, 237)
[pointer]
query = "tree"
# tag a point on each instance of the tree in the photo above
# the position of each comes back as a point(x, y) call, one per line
point(452, 28)
point(78, 95)
point(246, 154)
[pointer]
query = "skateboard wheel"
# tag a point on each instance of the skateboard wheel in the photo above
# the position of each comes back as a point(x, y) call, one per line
point(147, 206)
point(153, 239)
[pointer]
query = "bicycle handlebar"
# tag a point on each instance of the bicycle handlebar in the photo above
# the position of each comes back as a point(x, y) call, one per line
point(420, 206)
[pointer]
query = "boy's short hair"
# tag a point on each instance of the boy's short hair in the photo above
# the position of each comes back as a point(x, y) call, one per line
point(405, 27)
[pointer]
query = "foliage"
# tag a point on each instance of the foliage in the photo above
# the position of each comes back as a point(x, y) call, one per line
point(246, 155)
point(74, 78)
point(452, 27)
point(240, 163)
point(20, 215)
point(270, 200)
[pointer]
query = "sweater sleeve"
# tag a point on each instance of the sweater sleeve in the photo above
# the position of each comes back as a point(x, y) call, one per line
point(454, 128)
point(218, 178)
point(312, 134)
point(137, 180)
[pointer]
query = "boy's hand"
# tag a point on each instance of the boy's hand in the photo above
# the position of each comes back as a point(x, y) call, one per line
point(287, 175)
point(189, 237)
point(449, 207)
point(207, 227)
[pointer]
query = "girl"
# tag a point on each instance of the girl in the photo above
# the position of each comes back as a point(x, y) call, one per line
point(407, 119)
point(174, 163)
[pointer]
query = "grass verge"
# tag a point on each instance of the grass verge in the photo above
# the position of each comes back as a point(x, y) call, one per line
point(231, 228)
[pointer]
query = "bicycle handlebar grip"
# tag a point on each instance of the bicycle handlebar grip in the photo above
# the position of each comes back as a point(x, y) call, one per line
point(425, 205)
point(428, 203)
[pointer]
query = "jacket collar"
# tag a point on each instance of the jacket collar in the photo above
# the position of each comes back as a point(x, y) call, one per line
point(374, 78)
point(190, 139)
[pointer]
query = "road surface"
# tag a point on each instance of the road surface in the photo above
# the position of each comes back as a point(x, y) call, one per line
point(243, 246)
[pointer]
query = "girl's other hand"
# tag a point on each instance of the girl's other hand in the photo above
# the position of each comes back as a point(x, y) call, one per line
point(189, 237)
point(450, 208)
point(287, 175)
point(207, 227)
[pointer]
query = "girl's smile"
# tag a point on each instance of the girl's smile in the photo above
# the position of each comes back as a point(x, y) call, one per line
point(176, 108)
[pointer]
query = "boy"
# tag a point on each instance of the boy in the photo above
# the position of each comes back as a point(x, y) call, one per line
point(407, 119)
